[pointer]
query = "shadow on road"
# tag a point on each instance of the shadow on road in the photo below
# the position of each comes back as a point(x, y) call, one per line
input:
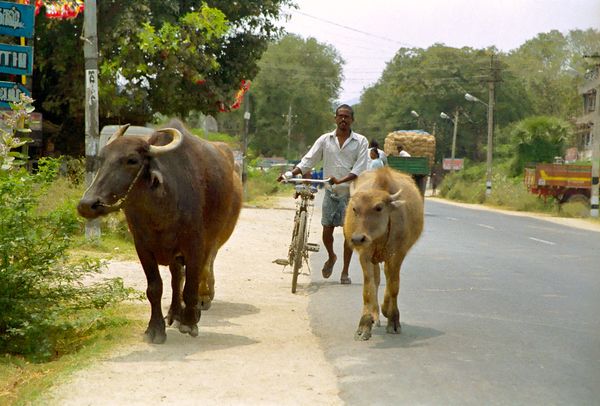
point(411, 336)
point(221, 313)
point(180, 347)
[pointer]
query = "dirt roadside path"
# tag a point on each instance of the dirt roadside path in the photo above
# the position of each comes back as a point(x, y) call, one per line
point(255, 345)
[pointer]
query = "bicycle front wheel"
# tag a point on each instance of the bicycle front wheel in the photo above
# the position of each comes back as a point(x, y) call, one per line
point(299, 249)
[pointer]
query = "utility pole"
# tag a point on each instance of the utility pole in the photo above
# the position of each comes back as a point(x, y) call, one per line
point(245, 143)
point(490, 133)
point(90, 52)
point(288, 119)
point(596, 149)
point(454, 133)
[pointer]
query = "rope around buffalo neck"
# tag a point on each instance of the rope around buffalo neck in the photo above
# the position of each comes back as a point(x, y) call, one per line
point(120, 202)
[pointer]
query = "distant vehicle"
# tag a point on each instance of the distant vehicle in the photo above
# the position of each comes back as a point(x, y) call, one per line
point(564, 182)
point(421, 146)
point(416, 166)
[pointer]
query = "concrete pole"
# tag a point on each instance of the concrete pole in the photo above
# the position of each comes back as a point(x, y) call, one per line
point(245, 144)
point(90, 52)
point(490, 133)
point(454, 133)
point(289, 132)
point(595, 155)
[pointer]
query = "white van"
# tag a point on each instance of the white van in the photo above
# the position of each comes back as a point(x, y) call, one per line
point(134, 130)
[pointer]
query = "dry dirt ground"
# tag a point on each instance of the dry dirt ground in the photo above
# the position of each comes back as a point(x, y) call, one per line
point(255, 345)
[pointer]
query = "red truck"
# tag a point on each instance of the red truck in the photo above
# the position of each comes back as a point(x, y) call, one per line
point(564, 182)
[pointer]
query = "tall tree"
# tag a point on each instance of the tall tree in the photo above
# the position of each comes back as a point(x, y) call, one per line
point(547, 65)
point(303, 76)
point(431, 81)
point(167, 56)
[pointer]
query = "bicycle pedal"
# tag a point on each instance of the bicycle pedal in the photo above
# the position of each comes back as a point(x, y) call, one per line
point(281, 261)
point(312, 247)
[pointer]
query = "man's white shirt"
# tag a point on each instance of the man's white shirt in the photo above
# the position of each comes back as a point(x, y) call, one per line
point(352, 157)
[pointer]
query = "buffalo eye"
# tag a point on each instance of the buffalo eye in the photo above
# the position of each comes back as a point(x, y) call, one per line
point(378, 208)
point(132, 161)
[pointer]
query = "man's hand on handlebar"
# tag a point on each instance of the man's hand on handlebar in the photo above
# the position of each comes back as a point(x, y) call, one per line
point(284, 176)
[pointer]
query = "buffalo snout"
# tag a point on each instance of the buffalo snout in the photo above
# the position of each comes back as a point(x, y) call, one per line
point(359, 239)
point(89, 208)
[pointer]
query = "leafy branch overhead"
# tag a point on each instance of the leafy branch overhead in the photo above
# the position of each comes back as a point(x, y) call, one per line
point(171, 57)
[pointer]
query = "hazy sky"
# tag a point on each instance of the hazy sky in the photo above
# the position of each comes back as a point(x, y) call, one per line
point(367, 33)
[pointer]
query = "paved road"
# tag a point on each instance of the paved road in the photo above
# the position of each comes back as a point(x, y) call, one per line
point(496, 309)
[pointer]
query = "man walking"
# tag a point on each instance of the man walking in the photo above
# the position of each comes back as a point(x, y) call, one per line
point(344, 156)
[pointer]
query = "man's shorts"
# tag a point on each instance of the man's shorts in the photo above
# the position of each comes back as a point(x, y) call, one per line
point(334, 209)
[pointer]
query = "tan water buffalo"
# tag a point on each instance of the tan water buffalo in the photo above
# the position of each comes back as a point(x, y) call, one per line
point(383, 220)
point(182, 198)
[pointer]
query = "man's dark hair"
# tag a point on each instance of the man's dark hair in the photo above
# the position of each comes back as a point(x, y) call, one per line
point(347, 107)
point(374, 144)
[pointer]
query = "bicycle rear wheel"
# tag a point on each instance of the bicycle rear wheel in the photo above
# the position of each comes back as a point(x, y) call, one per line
point(299, 249)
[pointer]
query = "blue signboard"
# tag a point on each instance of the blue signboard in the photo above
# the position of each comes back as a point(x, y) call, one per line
point(16, 20)
point(10, 93)
point(16, 59)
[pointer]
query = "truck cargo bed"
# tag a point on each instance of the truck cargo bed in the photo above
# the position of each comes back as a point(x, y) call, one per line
point(418, 165)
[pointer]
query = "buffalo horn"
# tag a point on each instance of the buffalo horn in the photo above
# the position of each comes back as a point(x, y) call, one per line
point(396, 201)
point(161, 149)
point(396, 196)
point(120, 131)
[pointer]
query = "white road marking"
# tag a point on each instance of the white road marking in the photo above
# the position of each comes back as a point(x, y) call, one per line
point(452, 218)
point(542, 241)
point(486, 226)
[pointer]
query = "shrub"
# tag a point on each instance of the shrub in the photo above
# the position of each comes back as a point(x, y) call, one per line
point(261, 184)
point(46, 306)
point(538, 139)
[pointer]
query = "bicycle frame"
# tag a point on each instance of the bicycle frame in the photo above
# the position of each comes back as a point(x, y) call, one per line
point(299, 246)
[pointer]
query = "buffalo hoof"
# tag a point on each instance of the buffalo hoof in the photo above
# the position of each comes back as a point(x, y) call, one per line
point(172, 318)
point(154, 336)
point(204, 302)
point(362, 334)
point(393, 327)
point(191, 330)
point(364, 328)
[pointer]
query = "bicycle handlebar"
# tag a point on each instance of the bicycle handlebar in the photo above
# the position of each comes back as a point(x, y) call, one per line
point(304, 180)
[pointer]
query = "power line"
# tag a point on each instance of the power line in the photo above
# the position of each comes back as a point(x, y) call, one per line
point(354, 29)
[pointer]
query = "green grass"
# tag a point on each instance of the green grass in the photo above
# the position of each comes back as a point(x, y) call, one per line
point(109, 246)
point(23, 382)
point(263, 190)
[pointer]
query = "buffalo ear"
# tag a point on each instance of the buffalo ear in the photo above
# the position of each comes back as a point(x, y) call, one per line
point(398, 203)
point(156, 179)
point(395, 199)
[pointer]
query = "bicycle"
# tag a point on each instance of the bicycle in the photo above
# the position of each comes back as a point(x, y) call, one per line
point(299, 245)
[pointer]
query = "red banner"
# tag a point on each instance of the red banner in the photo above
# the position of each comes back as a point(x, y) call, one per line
point(239, 97)
point(61, 9)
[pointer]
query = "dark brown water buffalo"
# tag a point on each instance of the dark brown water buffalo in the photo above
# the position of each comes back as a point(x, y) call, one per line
point(383, 220)
point(182, 198)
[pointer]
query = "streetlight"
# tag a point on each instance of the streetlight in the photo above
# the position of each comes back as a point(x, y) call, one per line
point(455, 121)
point(490, 106)
point(472, 98)
point(418, 117)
